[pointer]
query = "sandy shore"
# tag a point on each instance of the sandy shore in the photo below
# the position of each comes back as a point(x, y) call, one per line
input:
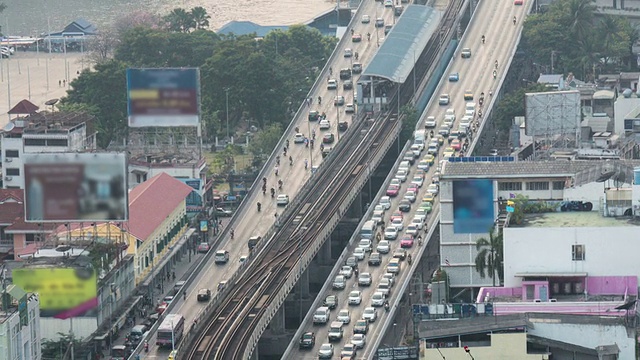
point(35, 77)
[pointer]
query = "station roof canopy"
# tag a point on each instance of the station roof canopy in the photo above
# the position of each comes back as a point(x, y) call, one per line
point(405, 42)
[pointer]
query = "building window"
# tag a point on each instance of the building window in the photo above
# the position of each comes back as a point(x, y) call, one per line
point(35, 142)
point(509, 186)
point(577, 252)
point(558, 185)
point(538, 185)
point(57, 142)
point(12, 171)
point(11, 153)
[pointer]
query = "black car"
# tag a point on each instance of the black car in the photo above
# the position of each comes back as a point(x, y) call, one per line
point(361, 327)
point(331, 302)
point(375, 259)
point(343, 126)
point(347, 85)
point(204, 295)
point(404, 206)
point(328, 138)
point(307, 340)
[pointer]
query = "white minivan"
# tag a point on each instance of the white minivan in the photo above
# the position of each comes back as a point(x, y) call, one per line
point(368, 229)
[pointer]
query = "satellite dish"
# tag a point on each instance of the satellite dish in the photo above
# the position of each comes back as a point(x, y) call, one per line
point(627, 93)
point(10, 125)
point(605, 176)
point(51, 102)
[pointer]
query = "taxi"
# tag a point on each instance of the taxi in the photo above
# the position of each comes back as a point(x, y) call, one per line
point(428, 198)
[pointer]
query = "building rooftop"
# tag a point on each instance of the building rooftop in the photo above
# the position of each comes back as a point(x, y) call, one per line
point(576, 219)
point(524, 169)
point(167, 160)
point(46, 122)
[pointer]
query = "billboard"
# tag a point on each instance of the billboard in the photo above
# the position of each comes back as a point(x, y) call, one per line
point(473, 210)
point(63, 292)
point(554, 113)
point(163, 97)
point(70, 187)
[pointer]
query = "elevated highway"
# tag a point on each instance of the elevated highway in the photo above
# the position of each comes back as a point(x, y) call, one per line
point(494, 20)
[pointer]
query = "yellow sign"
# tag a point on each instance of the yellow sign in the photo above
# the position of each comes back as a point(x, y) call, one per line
point(59, 288)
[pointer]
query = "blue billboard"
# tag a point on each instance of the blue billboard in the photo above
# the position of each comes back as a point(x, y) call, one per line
point(165, 97)
point(473, 210)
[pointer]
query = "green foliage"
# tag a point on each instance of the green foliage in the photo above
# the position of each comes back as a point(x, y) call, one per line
point(102, 255)
point(578, 40)
point(102, 93)
point(489, 260)
point(56, 350)
point(181, 20)
point(512, 105)
point(410, 118)
point(263, 143)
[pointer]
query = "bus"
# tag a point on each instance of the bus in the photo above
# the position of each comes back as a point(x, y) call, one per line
point(170, 331)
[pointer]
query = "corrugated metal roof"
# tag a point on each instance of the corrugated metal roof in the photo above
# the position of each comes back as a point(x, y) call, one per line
point(394, 60)
point(152, 201)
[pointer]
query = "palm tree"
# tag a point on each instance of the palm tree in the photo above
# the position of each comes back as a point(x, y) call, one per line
point(581, 17)
point(490, 255)
point(200, 17)
point(179, 20)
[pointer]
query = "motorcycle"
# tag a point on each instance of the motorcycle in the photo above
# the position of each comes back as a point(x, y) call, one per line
point(259, 206)
point(386, 306)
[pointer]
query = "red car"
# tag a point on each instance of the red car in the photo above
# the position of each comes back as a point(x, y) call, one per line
point(518, 2)
point(406, 241)
point(393, 190)
point(397, 214)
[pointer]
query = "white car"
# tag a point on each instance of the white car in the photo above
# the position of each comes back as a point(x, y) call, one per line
point(298, 138)
point(449, 120)
point(359, 340)
point(424, 164)
point(402, 175)
point(339, 283)
point(432, 150)
point(355, 297)
point(282, 200)
point(370, 314)
point(395, 181)
point(346, 271)
point(364, 279)
point(389, 276)
point(418, 221)
point(326, 351)
point(378, 216)
point(349, 108)
point(344, 316)
point(430, 122)
point(332, 84)
point(377, 299)
point(391, 233)
point(366, 19)
point(325, 124)
point(432, 189)
point(417, 149)
point(383, 247)
point(412, 230)
point(359, 253)
point(410, 195)
point(397, 222)
point(443, 99)
point(365, 244)
point(348, 53)
point(380, 207)
point(385, 202)
point(404, 165)
point(417, 181)
point(388, 3)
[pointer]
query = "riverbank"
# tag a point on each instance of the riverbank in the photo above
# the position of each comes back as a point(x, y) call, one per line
point(37, 78)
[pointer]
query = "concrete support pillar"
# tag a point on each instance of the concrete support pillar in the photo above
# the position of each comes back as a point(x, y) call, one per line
point(277, 323)
point(358, 206)
point(304, 284)
point(324, 255)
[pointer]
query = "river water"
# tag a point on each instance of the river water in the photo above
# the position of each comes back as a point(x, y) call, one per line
point(33, 17)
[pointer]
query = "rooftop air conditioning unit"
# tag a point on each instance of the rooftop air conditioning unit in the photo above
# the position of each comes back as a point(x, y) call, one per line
point(537, 300)
point(8, 159)
point(8, 178)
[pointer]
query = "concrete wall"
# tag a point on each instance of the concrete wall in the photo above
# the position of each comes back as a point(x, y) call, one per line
point(586, 335)
point(22, 342)
point(503, 347)
point(549, 250)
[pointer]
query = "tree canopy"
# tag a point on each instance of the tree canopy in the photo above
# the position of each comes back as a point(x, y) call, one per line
point(489, 259)
point(262, 82)
point(570, 38)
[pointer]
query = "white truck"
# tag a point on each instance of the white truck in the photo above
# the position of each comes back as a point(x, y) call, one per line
point(419, 138)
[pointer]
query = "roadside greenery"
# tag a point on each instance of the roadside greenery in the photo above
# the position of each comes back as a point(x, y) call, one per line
point(489, 260)
point(265, 81)
point(512, 105)
point(576, 39)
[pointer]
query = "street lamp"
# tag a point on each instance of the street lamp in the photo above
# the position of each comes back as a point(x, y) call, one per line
point(226, 90)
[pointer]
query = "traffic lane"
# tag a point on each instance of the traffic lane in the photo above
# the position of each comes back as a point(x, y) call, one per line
point(376, 272)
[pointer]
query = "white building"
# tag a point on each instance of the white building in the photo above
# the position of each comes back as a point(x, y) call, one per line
point(20, 329)
point(40, 133)
point(481, 190)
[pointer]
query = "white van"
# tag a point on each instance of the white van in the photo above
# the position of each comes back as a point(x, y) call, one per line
point(321, 316)
point(368, 229)
point(393, 266)
point(470, 106)
point(335, 331)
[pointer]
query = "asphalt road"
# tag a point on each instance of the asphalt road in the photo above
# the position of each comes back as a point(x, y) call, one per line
point(495, 21)
point(252, 222)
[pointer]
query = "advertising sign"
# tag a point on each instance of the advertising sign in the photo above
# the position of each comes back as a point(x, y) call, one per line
point(70, 187)
point(204, 225)
point(165, 97)
point(63, 292)
point(473, 210)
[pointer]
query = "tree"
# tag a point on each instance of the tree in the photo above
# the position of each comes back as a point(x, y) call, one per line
point(180, 20)
point(200, 17)
point(59, 349)
point(512, 105)
point(489, 260)
point(264, 141)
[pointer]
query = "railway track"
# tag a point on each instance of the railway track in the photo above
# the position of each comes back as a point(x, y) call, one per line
point(227, 333)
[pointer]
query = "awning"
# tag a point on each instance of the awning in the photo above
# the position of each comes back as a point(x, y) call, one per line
point(173, 249)
point(551, 274)
point(137, 171)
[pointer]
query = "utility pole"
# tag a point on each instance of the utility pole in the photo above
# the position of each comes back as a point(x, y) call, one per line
point(226, 90)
